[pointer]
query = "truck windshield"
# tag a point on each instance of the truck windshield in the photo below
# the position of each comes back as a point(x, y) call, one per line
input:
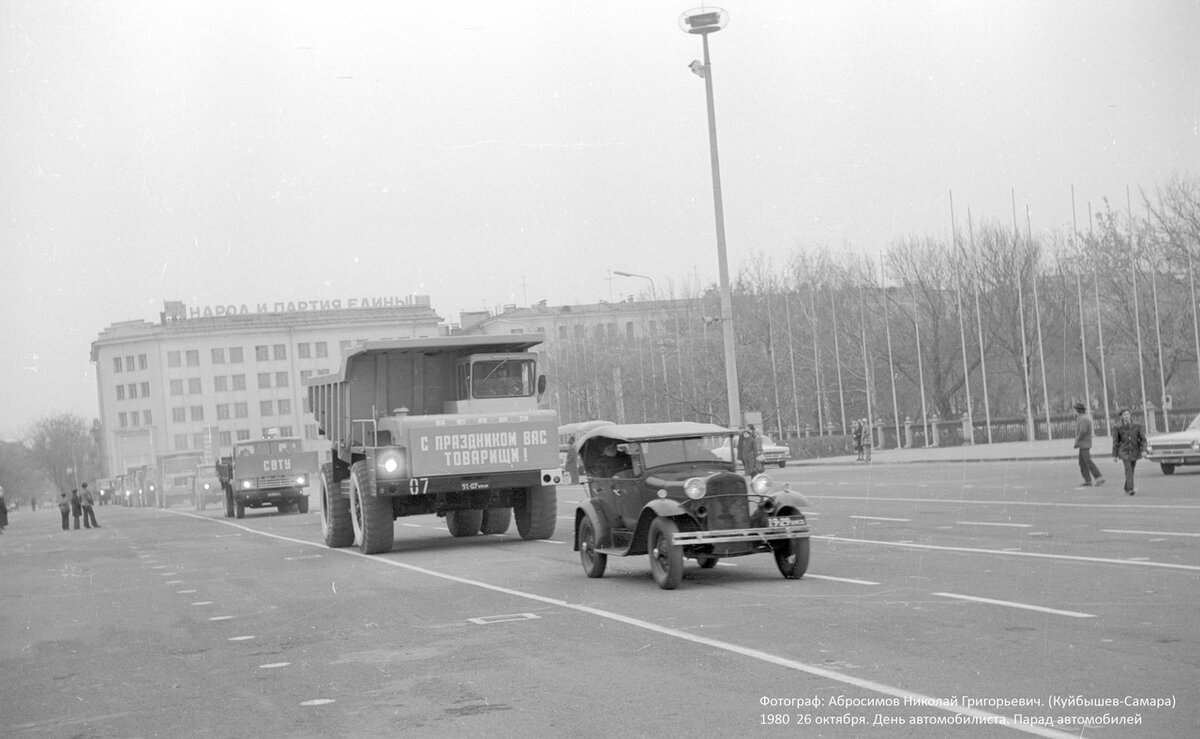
point(267, 446)
point(672, 451)
point(502, 378)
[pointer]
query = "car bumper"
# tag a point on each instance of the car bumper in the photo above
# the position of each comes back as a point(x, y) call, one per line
point(1173, 458)
point(732, 536)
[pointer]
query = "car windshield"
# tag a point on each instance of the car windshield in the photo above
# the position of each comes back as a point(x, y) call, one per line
point(672, 451)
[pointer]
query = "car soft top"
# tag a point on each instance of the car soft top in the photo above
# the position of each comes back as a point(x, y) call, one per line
point(652, 431)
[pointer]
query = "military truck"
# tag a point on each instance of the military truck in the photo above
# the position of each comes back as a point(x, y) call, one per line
point(266, 472)
point(206, 486)
point(447, 426)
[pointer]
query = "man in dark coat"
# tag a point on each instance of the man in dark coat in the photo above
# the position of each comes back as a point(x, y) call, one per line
point(1083, 442)
point(1129, 443)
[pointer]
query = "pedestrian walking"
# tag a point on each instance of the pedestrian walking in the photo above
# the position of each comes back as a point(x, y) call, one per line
point(76, 508)
point(89, 512)
point(3, 511)
point(858, 440)
point(1129, 443)
point(64, 507)
point(572, 460)
point(867, 441)
point(1083, 442)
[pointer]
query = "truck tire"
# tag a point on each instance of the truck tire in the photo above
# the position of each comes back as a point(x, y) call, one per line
point(537, 512)
point(336, 529)
point(464, 523)
point(370, 514)
point(302, 505)
point(239, 509)
point(228, 490)
point(495, 520)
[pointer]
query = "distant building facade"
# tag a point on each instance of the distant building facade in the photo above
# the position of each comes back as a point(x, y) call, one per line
point(200, 379)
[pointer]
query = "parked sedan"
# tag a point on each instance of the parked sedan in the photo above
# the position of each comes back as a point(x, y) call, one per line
point(772, 453)
point(1175, 449)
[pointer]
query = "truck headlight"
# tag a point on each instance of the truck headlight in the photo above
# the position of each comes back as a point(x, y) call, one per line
point(392, 462)
point(761, 484)
point(246, 484)
point(694, 488)
point(206, 486)
point(300, 480)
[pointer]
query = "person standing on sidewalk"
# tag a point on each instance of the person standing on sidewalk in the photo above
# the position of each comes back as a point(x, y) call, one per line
point(1129, 443)
point(1083, 442)
point(76, 508)
point(89, 513)
point(64, 507)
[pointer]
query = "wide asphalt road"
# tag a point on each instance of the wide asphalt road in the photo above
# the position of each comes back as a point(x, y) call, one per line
point(984, 599)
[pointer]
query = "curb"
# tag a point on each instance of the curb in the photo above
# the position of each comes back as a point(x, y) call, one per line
point(938, 460)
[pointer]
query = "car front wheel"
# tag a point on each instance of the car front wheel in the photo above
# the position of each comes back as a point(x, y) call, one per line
point(791, 556)
point(666, 559)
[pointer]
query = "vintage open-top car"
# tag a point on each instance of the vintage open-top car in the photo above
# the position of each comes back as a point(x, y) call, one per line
point(659, 489)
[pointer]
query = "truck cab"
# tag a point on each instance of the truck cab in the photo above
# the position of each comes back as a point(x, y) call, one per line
point(486, 383)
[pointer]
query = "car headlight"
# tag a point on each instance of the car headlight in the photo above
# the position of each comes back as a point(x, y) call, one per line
point(1196, 445)
point(1149, 447)
point(392, 462)
point(695, 488)
point(761, 484)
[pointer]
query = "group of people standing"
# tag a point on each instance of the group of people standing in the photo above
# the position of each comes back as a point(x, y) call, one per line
point(1128, 446)
point(78, 504)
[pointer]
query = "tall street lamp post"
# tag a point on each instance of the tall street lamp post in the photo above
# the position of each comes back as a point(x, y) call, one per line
point(703, 21)
point(653, 294)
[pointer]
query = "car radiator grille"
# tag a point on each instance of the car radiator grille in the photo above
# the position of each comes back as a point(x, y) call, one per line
point(728, 506)
point(1178, 447)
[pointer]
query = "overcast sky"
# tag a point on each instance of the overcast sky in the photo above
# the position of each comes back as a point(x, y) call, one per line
point(487, 153)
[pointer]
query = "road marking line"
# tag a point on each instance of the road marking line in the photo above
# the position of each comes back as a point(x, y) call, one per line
point(184, 592)
point(852, 581)
point(1038, 555)
point(1149, 533)
point(503, 618)
point(1023, 606)
point(988, 523)
point(173, 582)
point(881, 518)
point(961, 501)
point(748, 652)
point(550, 541)
point(220, 618)
point(203, 603)
point(240, 638)
point(273, 665)
point(317, 702)
point(303, 556)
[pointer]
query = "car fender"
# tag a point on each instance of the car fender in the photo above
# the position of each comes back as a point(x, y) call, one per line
point(789, 498)
point(599, 512)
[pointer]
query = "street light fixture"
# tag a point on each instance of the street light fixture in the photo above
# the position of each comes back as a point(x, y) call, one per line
point(702, 22)
point(653, 294)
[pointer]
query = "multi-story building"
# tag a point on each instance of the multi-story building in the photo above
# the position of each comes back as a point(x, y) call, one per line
point(200, 379)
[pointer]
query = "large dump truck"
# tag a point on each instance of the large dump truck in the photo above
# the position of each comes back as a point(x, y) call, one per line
point(447, 426)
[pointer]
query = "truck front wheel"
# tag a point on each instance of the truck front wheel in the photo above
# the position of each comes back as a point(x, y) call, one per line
point(537, 512)
point(464, 523)
point(336, 528)
point(371, 514)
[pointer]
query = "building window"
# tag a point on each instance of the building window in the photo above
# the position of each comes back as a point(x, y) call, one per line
point(305, 374)
point(179, 414)
point(629, 329)
point(302, 351)
point(197, 413)
point(285, 409)
point(120, 392)
point(243, 434)
point(174, 359)
point(133, 418)
point(580, 331)
point(235, 355)
point(517, 331)
point(121, 420)
point(147, 419)
point(261, 353)
point(222, 411)
point(194, 386)
point(285, 431)
point(343, 345)
point(562, 332)
point(281, 379)
point(116, 364)
point(132, 390)
point(220, 383)
point(145, 390)
point(218, 355)
point(241, 410)
point(129, 362)
point(142, 364)
point(198, 440)
point(264, 380)
point(322, 349)
point(266, 407)
point(225, 438)
point(239, 382)
point(310, 431)
point(193, 357)
point(304, 404)
point(181, 442)
point(177, 387)
point(280, 351)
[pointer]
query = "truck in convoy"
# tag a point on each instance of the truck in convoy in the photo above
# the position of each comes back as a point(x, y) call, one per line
point(178, 469)
point(206, 486)
point(447, 426)
point(266, 472)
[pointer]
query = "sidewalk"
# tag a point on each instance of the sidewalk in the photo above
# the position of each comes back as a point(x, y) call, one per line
point(1010, 451)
